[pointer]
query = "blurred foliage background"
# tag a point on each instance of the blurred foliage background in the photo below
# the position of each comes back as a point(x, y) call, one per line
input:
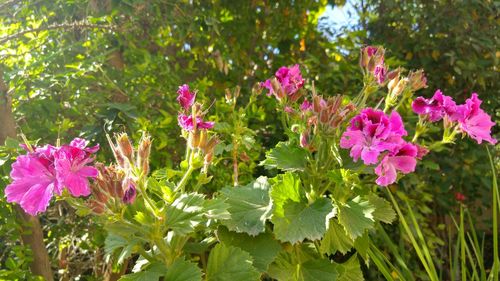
point(91, 67)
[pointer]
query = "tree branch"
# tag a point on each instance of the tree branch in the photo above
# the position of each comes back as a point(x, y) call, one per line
point(73, 25)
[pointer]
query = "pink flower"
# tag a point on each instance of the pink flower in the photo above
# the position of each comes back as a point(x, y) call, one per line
point(34, 180)
point(290, 79)
point(401, 158)
point(268, 85)
point(372, 132)
point(436, 107)
point(459, 197)
point(47, 170)
point(186, 123)
point(474, 121)
point(71, 164)
point(185, 97)
point(306, 105)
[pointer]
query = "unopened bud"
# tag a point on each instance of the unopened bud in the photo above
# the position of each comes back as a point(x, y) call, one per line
point(304, 139)
point(129, 191)
point(125, 146)
point(399, 88)
point(143, 154)
point(417, 80)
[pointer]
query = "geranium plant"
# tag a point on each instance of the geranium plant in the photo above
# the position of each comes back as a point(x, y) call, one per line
point(311, 221)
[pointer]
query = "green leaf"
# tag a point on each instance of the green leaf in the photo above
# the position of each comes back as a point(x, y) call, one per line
point(362, 244)
point(286, 157)
point(336, 239)
point(383, 209)
point(182, 270)
point(228, 263)
point(318, 270)
point(301, 221)
point(114, 242)
point(285, 187)
point(217, 209)
point(185, 213)
point(263, 248)
point(356, 216)
point(249, 206)
point(289, 267)
point(350, 270)
point(152, 273)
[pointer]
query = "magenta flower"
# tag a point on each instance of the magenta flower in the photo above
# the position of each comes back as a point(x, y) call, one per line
point(186, 122)
point(306, 106)
point(372, 132)
point(269, 86)
point(185, 97)
point(474, 121)
point(34, 180)
point(47, 170)
point(401, 158)
point(289, 78)
point(71, 164)
point(436, 107)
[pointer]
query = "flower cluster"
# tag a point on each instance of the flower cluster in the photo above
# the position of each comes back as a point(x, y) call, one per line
point(286, 83)
point(469, 117)
point(186, 99)
point(45, 171)
point(372, 61)
point(376, 137)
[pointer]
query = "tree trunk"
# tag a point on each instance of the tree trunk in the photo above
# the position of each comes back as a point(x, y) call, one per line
point(32, 234)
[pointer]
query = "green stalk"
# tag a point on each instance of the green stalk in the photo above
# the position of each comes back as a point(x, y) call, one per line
point(415, 245)
point(381, 265)
point(495, 271)
point(462, 245)
point(180, 186)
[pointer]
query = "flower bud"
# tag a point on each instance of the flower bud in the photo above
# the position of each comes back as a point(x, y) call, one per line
point(399, 88)
point(143, 154)
point(129, 191)
point(417, 80)
point(304, 139)
point(125, 146)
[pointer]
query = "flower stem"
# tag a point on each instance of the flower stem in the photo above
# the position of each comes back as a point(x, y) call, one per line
point(180, 186)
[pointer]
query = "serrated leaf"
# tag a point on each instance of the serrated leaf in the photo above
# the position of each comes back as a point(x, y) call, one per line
point(285, 187)
point(362, 245)
point(152, 273)
point(249, 206)
point(182, 270)
point(263, 248)
point(227, 263)
point(356, 216)
point(185, 213)
point(350, 270)
point(286, 157)
point(318, 270)
point(383, 209)
point(289, 267)
point(217, 209)
point(301, 221)
point(336, 239)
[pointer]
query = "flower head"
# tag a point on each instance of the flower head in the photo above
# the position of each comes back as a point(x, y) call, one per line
point(186, 123)
point(47, 170)
point(185, 97)
point(474, 121)
point(287, 82)
point(436, 107)
point(372, 132)
point(401, 158)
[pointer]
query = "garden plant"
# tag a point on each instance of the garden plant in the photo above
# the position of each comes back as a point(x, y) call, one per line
point(311, 210)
